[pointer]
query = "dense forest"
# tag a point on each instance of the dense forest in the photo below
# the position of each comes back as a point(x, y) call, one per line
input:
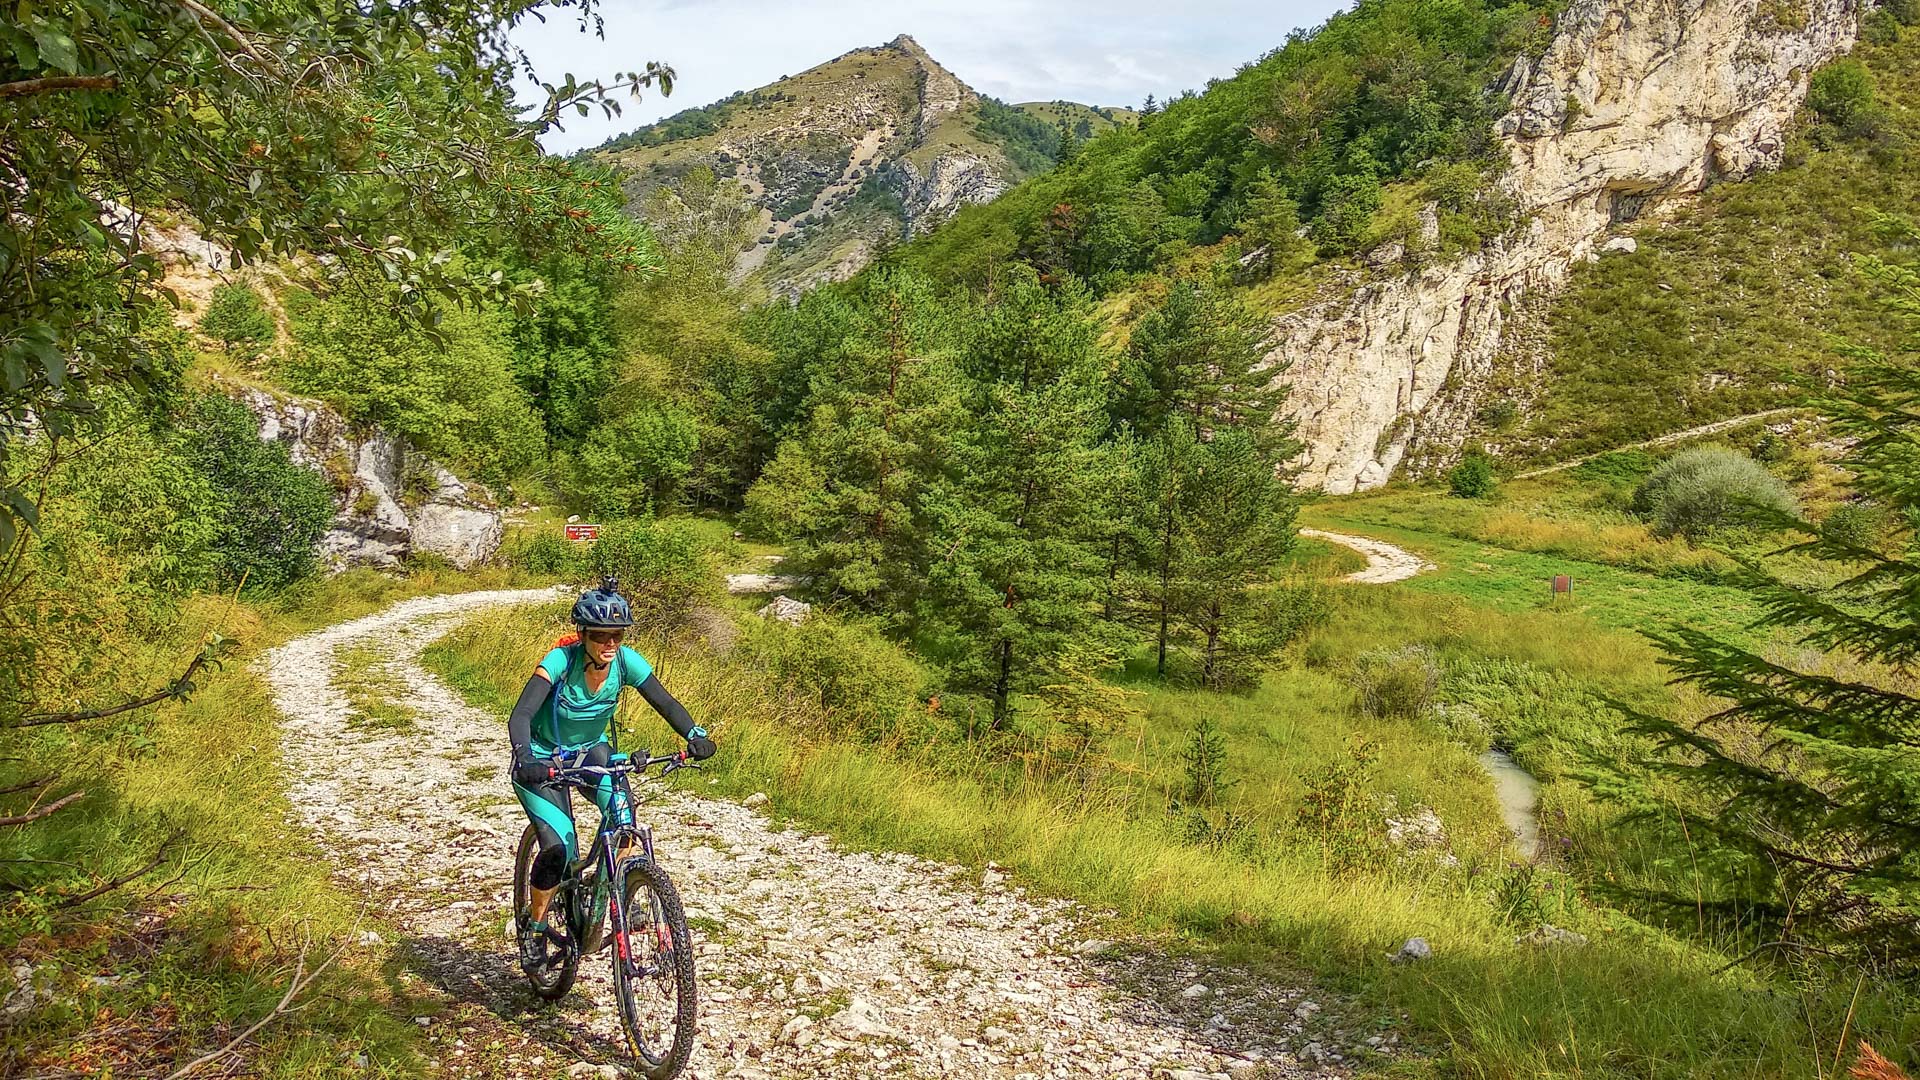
point(1028, 470)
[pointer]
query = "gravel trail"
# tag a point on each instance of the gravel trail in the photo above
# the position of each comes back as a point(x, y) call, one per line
point(1385, 562)
point(812, 961)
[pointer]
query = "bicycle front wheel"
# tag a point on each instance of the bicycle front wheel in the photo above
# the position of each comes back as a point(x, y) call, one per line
point(653, 971)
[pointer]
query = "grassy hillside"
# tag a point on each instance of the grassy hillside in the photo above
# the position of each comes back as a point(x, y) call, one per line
point(1257, 879)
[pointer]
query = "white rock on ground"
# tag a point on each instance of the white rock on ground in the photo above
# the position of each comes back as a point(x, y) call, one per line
point(904, 955)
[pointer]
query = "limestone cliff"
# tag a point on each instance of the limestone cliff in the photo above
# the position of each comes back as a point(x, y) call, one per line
point(1634, 102)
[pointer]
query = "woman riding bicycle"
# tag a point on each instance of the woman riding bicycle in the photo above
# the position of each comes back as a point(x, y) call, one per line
point(567, 708)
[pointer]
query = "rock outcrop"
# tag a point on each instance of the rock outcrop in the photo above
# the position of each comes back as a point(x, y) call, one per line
point(390, 501)
point(1632, 103)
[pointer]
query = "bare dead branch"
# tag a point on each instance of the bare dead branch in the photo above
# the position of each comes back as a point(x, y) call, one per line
point(212, 18)
point(172, 689)
point(25, 87)
point(28, 786)
point(36, 815)
point(1763, 947)
point(159, 857)
point(301, 980)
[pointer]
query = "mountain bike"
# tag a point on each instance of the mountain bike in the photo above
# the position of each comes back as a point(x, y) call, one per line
point(652, 952)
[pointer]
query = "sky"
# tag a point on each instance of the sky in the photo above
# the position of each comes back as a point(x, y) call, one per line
point(1113, 53)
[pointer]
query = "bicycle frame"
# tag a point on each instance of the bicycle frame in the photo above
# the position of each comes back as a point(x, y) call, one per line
point(603, 899)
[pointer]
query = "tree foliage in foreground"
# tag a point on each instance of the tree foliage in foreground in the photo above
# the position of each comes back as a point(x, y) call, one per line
point(377, 134)
point(1811, 770)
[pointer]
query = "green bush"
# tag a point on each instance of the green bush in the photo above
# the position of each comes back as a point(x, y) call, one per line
point(544, 551)
point(635, 461)
point(268, 512)
point(452, 394)
point(237, 319)
point(1842, 93)
point(1397, 683)
point(867, 685)
point(665, 569)
point(1699, 491)
point(1473, 478)
point(1856, 525)
point(1906, 11)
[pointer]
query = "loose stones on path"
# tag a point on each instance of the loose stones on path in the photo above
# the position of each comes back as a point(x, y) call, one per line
point(812, 961)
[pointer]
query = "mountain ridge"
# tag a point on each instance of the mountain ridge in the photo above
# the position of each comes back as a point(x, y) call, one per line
point(849, 156)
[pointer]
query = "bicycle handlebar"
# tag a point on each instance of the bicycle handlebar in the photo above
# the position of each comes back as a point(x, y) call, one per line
point(681, 760)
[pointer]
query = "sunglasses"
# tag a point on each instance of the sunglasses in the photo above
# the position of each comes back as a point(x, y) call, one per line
point(604, 637)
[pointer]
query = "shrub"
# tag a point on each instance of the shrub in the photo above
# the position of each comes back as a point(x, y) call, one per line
point(1699, 491)
point(1855, 525)
point(663, 567)
point(1339, 810)
point(1205, 759)
point(1842, 93)
point(545, 552)
point(1906, 11)
point(237, 319)
point(268, 512)
point(866, 684)
point(1473, 478)
point(1397, 682)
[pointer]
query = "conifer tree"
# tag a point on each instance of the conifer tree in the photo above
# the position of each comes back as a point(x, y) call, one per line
point(847, 491)
point(1162, 475)
point(1200, 355)
point(1015, 573)
point(1811, 771)
point(1238, 525)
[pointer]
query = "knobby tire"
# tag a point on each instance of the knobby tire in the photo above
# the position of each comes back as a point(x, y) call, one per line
point(648, 896)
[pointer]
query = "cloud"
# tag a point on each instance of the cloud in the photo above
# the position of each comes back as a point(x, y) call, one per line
point(1103, 54)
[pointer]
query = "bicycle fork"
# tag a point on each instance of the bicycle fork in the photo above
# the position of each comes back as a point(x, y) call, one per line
point(662, 936)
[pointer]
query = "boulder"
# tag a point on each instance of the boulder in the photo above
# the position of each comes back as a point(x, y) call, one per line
point(1415, 950)
point(378, 521)
point(787, 610)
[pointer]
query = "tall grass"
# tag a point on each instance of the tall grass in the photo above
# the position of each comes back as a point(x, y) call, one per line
point(1636, 1002)
point(202, 944)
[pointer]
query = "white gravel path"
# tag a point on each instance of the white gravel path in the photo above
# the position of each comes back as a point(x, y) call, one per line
point(911, 968)
point(1385, 562)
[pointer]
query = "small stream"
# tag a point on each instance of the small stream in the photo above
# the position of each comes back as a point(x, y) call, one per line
point(1519, 795)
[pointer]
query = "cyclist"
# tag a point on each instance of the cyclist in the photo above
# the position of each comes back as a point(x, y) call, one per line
point(567, 707)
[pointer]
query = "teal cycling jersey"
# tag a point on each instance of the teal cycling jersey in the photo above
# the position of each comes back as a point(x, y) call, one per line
point(574, 717)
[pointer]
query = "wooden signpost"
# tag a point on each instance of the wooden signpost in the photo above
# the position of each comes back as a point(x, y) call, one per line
point(1562, 583)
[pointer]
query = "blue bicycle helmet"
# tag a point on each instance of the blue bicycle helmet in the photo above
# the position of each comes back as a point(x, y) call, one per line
point(603, 608)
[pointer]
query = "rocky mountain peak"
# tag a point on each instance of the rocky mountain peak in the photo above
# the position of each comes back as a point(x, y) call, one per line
point(847, 156)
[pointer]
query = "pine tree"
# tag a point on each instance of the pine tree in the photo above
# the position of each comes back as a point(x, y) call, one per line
point(237, 319)
point(1161, 478)
point(847, 491)
point(1238, 526)
point(1270, 227)
point(1200, 355)
point(1069, 142)
point(1810, 774)
point(1015, 575)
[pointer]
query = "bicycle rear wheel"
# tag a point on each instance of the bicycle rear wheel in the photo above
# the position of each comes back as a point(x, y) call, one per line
point(653, 970)
point(552, 980)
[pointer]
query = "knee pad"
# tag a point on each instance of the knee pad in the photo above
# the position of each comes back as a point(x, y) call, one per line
point(549, 867)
